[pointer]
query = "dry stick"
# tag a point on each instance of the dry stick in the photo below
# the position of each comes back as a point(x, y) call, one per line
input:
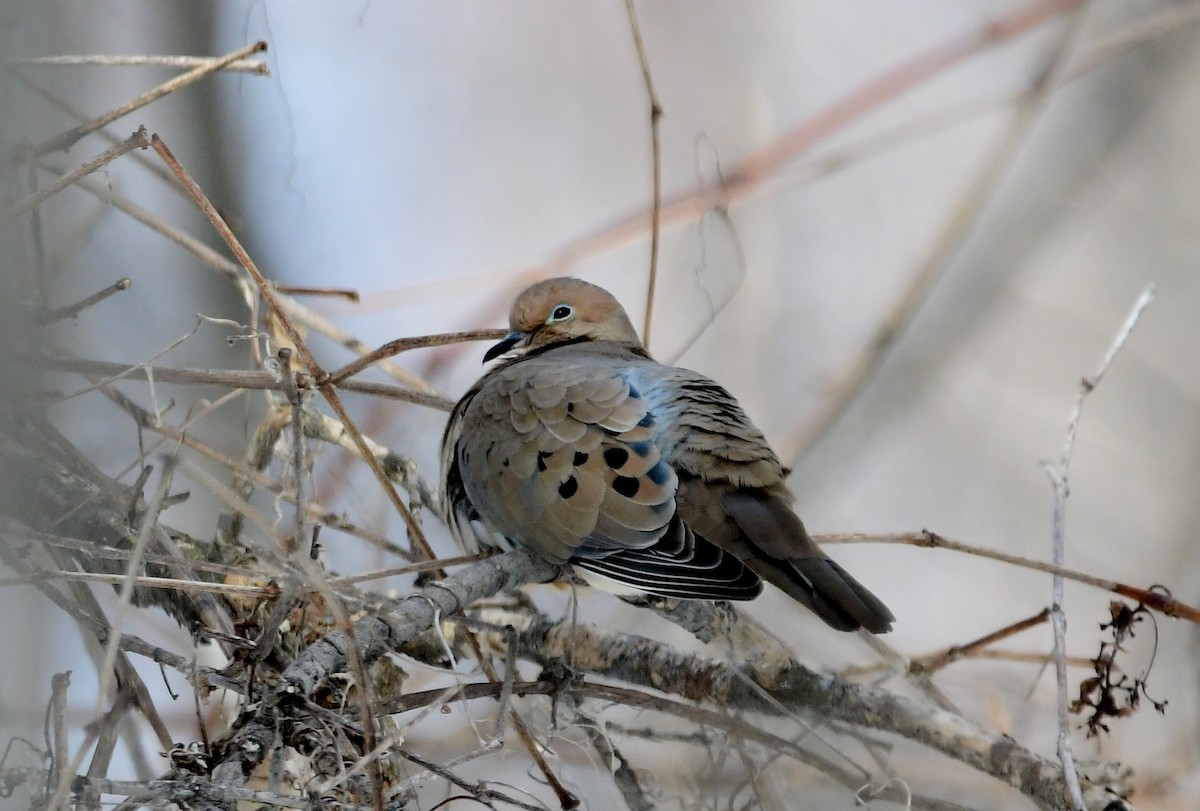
point(566, 799)
point(477, 791)
point(416, 536)
point(399, 345)
point(72, 310)
point(433, 401)
point(110, 60)
point(142, 581)
point(1025, 657)
point(302, 290)
point(103, 631)
point(653, 664)
point(106, 742)
point(233, 378)
point(187, 792)
point(296, 310)
point(38, 244)
point(178, 584)
point(205, 254)
point(358, 667)
point(64, 140)
point(328, 391)
point(937, 661)
point(112, 648)
point(624, 775)
point(656, 160)
point(299, 448)
point(325, 517)
point(73, 112)
point(315, 321)
point(397, 623)
point(964, 215)
point(402, 469)
point(732, 725)
point(136, 141)
point(232, 501)
point(1152, 598)
point(1059, 479)
point(58, 745)
point(296, 399)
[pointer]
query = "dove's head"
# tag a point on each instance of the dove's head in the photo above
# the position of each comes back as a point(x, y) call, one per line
point(564, 310)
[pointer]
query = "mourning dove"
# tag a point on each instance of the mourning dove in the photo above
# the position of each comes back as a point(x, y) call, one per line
point(646, 478)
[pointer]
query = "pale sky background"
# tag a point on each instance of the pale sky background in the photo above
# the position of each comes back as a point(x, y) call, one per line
point(429, 155)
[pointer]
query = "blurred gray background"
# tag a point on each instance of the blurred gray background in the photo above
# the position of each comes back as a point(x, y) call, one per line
point(436, 157)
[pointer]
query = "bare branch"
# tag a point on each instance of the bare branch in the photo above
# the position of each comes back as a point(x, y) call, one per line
point(65, 140)
point(1059, 476)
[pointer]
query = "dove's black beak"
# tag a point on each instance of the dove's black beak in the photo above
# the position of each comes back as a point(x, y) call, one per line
point(510, 340)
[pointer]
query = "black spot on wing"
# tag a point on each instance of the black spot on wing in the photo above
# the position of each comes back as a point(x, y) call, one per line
point(579, 458)
point(568, 488)
point(616, 457)
point(626, 486)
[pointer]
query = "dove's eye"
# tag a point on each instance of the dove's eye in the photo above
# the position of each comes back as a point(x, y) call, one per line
point(560, 313)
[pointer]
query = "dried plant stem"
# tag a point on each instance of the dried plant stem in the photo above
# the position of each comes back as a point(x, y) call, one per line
point(72, 310)
point(112, 60)
point(656, 165)
point(416, 535)
point(399, 345)
point(937, 661)
point(1059, 477)
point(1153, 598)
point(136, 141)
point(233, 378)
point(64, 140)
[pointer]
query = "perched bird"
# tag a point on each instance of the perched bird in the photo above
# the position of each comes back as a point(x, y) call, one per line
point(646, 478)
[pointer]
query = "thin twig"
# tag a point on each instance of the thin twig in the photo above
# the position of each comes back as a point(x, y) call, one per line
point(656, 164)
point(107, 670)
point(1154, 599)
point(1059, 477)
point(205, 254)
point(641, 661)
point(233, 378)
point(111, 60)
point(303, 290)
point(416, 535)
point(301, 314)
point(64, 140)
point(71, 310)
point(936, 661)
point(141, 581)
point(56, 730)
point(392, 348)
point(136, 141)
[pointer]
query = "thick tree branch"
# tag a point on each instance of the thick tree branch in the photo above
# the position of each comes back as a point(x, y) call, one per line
point(645, 662)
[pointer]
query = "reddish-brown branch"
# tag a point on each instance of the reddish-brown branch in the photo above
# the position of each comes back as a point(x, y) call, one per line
point(1154, 597)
